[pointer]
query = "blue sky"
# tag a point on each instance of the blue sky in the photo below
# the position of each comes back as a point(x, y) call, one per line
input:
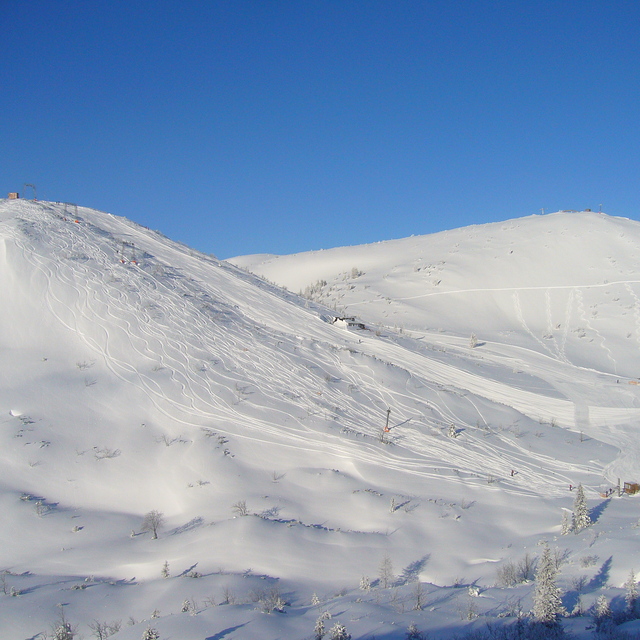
point(279, 126)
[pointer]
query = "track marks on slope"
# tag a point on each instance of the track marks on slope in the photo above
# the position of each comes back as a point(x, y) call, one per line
point(298, 374)
point(588, 325)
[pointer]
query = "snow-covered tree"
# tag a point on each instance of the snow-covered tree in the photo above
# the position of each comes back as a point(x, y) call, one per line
point(567, 523)
point(165, 569)
point(386, 572)
point(581, 518)
point(365, 583)
point(631, 597)
point(418, 594)
point(547, 606)
point(602, 608)
point(602, 614)
point(150, 634)
point(319, 630)
point(339, 632)
point(152, 522)
point(104, 630)
point(63, 631)
point(413, 633)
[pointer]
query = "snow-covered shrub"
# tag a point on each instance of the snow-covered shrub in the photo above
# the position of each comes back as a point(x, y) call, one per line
point(512, 573)
point(314, 291)
point(63, 632)
point(271, 600)
point(240, 508)
point(103, 630)
point(588, 561)
point(413, 633)
point(62, 629)
point(339, 632)
point(150, 634)
point(228, 596)
point(469, 611)
point(418, 597)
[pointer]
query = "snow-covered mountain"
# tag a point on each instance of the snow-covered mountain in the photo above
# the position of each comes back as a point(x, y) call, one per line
point(565, 285)
point(139, 376)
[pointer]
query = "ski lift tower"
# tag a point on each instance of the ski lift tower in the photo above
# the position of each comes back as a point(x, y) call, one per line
point(32, 186)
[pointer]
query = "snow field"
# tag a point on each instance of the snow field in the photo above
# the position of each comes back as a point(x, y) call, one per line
point(138, 375)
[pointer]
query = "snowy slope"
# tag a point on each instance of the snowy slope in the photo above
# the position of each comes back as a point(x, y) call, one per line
point(139, 375)
point(565, 284)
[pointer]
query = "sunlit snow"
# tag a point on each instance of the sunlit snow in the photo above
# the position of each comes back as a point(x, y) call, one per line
point(138, 375)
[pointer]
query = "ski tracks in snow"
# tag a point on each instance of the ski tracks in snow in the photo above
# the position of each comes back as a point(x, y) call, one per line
point(636, 309)
point(217, 358)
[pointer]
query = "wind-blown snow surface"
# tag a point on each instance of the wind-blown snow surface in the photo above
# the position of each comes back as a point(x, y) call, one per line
point(138, 375)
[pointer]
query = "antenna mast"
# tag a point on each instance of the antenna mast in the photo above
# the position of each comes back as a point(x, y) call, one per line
point(33, 186)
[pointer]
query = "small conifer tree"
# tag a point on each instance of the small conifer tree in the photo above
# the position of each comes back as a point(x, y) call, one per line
point(413, 633)
point(319, 630)
point(581, 518)
point(631, 597)
point(63, 630)
point(547, 606)
point(602, 613)
point(339, 632)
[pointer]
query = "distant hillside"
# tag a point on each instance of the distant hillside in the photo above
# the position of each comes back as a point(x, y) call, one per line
point(566, 284)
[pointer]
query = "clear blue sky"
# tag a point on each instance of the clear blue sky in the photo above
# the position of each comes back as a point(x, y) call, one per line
point(279, 126)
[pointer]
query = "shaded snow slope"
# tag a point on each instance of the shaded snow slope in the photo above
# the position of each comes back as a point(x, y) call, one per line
point(138, 375)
